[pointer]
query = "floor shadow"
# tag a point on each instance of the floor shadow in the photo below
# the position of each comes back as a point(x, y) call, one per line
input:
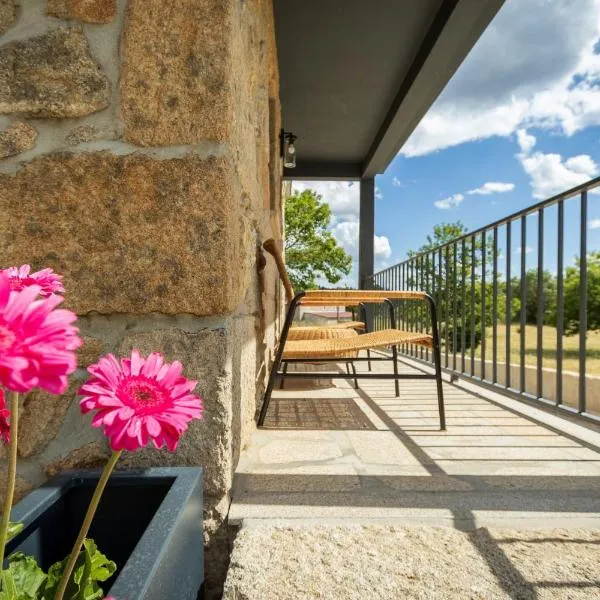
point(317, 413)
point(461, 496)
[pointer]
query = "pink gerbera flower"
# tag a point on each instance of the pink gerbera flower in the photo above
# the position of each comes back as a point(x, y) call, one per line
point(140, 399)
point(37, 341)
point(4, 422)
point(21, 277)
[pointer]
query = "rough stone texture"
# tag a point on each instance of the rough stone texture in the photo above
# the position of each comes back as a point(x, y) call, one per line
point(90, 352)
point(22, 486)
point(88, 11)
point(16, 139)
point(131, 233)
point(51, 75)
point(90, 456)
point(254, 54)
point(7, 14)
point(41, 417)
point(206, 356)
point(175, 83)
point(374, 562)
point(81, 134)
point(217, 546)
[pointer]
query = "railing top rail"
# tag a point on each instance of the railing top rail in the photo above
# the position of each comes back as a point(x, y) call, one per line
point(588, 185)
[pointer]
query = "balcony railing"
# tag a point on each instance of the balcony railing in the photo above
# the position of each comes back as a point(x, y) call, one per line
point(513, 315)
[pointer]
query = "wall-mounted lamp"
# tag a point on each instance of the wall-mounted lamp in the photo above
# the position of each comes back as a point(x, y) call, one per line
point(288, 150)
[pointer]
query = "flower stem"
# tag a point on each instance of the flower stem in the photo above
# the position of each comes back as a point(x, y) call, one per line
point(12, 472)
point(85, 527)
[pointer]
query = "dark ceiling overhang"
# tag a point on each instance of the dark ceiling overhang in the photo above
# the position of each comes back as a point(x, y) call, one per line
point(357, 76)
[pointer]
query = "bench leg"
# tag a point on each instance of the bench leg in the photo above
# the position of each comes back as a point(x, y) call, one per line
point(282, 382)
point(354, 372)
point(395, 359)
point(437, 359)
point(289, 318)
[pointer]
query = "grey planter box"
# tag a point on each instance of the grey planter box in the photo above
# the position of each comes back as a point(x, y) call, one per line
point(149, 522)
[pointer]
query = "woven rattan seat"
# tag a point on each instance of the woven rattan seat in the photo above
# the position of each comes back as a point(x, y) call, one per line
point(311, 332)
point(345, 347)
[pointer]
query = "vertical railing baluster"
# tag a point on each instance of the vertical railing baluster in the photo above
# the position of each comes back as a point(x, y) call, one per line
point(523, 302)
point(583, 291)
point(463, 308)
point(560, 301)
point(473, 322)
point(508, 316)
point(421, 304)
point(454, 305)
point(483, 315)
point(440, 292)
point(540, 303)
point(412, 304)
point(405, 303)
point(447, 307)
point(495, 306)
point(428, 291)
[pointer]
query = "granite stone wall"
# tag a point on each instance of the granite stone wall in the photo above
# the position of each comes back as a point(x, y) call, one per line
point(139, 158)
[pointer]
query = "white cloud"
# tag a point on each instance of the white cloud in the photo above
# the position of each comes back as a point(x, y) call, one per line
point(550, 174)
point(594, 223)
point(342, 196)
point(382, 248)
point(534, 66)
point(346, 233)
point(396, 182)
point(493, 187)
point(449, 202)
point(527, 250)
point(525, 140)
point(378, 194)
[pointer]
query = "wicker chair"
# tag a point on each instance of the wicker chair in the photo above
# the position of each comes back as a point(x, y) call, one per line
point(346, 348)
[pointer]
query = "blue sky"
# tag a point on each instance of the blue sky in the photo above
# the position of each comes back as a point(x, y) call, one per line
point(519, 122)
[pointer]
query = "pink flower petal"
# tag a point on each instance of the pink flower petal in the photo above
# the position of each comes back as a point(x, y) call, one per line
point(138, 400)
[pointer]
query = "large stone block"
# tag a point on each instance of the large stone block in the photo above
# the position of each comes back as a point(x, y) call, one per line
point(88, 11)
point(41, 418)
point(16, 139)
point(206, 357)
point(51, 75)
point(131, 234)
point(90, 456)
point(176, 79)
point(89, 353)
point(7, 14)
point(22, 486)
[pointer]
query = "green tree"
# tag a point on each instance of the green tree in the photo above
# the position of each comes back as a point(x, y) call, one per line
point(447, 279)
point(311, 251)
point(532, 300)
point(572, 294)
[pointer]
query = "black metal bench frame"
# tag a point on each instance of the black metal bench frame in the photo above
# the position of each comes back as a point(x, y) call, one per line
point(275, 373)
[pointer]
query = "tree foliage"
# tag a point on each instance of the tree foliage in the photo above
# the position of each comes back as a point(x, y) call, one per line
point(444, 279)
point(531, 296)
point(311, 250)
point(572, 294)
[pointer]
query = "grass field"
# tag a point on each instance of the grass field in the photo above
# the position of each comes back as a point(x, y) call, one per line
point(570, 348)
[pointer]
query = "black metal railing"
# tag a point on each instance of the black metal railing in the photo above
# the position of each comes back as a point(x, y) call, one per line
point(506, 323)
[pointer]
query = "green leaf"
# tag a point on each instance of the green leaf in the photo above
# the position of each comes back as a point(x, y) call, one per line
point(102, 568)
point(9, 591)
point(91, 567)
point(13, 529)
point(27, 576)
